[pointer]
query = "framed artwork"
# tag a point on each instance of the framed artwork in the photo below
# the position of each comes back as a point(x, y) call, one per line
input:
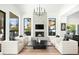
point(27, 26)
point(51, 26)
point(63, 26)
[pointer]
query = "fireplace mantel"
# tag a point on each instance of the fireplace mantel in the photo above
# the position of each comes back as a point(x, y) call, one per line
point(41, 20)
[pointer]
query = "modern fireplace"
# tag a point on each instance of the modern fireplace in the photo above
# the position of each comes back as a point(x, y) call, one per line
point(39, 26)
point(39, 34)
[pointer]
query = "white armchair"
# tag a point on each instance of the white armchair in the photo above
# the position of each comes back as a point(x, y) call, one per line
point(13, 47)
point(65, 47)
point(22, 39)
point(68, 47)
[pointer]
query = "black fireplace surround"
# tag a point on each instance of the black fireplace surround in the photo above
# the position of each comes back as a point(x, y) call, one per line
point(39, 34)
point(39, 45)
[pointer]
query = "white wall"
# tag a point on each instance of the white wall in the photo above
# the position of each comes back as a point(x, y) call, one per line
point(73, 19)
point(29, 14)
point(6, 8)
point(69, 11)
point(14, 9)
point(62, 20)
point(40, 20)
point(52, 11)
point(66, 11)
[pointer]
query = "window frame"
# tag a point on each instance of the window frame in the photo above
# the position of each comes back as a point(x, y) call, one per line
point(4, 24)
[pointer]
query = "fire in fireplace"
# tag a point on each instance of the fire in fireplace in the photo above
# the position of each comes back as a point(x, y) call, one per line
point(39, 34)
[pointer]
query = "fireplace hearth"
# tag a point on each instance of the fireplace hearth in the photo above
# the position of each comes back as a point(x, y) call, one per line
point(39, 34)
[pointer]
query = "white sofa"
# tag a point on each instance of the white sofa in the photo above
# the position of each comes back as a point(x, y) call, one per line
point(13, 47)
point(23, 39)
point(65, 47)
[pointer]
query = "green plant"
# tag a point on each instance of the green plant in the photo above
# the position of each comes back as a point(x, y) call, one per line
point(27, 30)
point(71, 27)
point(15, 29)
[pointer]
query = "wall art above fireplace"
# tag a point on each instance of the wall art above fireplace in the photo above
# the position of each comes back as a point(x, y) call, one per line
point(39, 26)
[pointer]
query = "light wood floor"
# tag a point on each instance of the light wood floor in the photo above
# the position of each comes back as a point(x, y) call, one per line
point(31, 51)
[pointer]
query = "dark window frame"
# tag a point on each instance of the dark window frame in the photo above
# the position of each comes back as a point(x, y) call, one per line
point(4, 24)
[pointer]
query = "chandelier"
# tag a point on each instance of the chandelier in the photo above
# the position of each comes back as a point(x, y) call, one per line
point(39, 11)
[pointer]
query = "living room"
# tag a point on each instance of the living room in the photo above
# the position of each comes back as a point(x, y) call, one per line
point(39, 29)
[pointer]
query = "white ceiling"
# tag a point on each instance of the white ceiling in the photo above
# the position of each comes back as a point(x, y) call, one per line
point(52, 9)
point(74, 15)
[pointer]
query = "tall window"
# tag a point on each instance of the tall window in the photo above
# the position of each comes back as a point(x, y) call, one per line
point(51, 26)
point(71, 28)
point(27, 26)
point(14, 22)
point(14, 26)
point(2, 25)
